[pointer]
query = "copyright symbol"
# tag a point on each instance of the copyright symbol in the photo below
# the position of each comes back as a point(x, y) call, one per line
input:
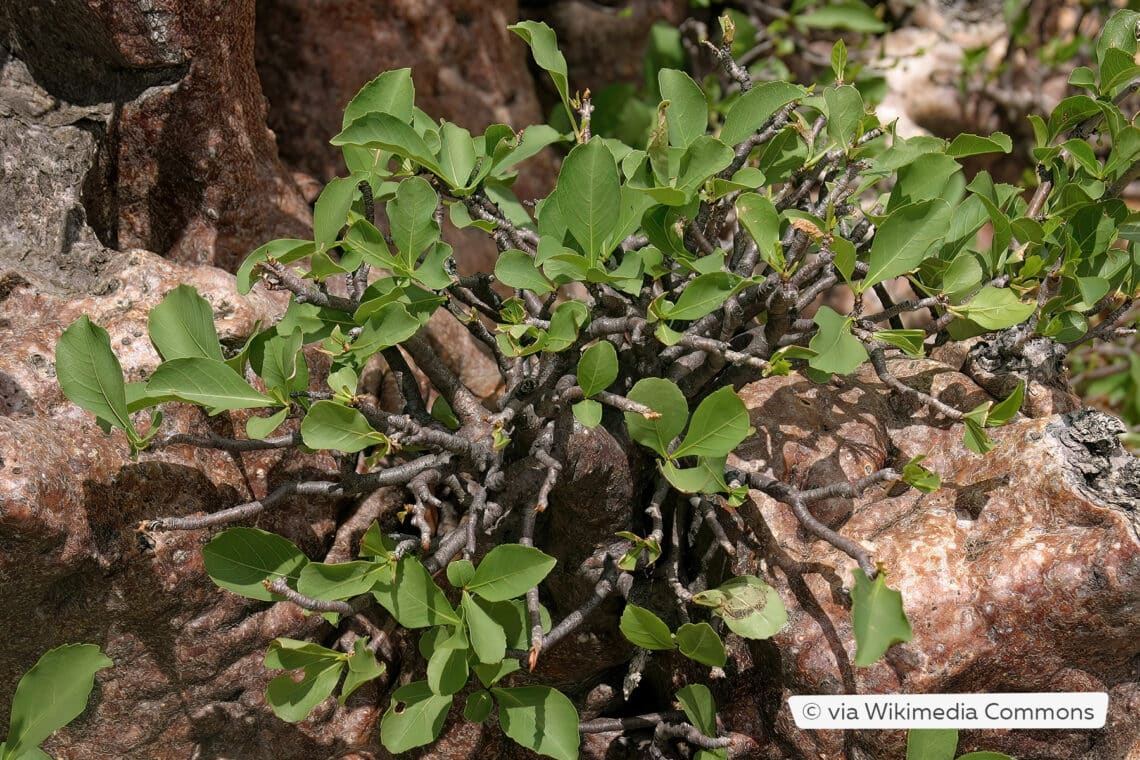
point(811, 711)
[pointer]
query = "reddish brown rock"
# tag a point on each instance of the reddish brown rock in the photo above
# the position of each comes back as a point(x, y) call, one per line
point(1022, 573)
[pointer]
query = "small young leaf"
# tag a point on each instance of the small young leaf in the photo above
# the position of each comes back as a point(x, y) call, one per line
point(718, 426)
point(541, 719)
point(510, 570)
point(644, 629)
point(837, 350)
point(51, 694)
point(699, 642)
point(845, 110)
point(182, 326)
point(239, 559)
point(414, 718)
point(931, 743)
point(588, 412)
point(920, 478)
point(362, 668)
point(1004, 411)
point(332, 425)
point(910, 341)
point(877, 618)
point(257, 428)
point(598, 367)
point(974, 434)
point(456, 155)
point(665, 398)
point(460, 572)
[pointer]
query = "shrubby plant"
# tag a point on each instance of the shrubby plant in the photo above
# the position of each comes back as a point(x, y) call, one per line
point(631, 301)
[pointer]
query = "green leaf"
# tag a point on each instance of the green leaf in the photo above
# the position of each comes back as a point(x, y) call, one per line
point(1004, 411)
point(910, 341)
point(332, 425)
point(460, 572)
point(598, 367)
point(718, 426)
point(257, 428)
point(588, 412)
point(973, 145)
point(749, 607)
point(292, 701)
point(544, 47)
point(589, 197)
point(541, 719)
point(90, 375)
point(705, 294)
point(413, 598)
point(478, 706)
point(762, 222)
point(754, 108)
point(665, 398)
point(411, 214)
point(362, 668)
point(688, 113)
point(931, 743)
point(697, 702)
point(851, 14)
point(974, 433)
point(517, 270)
point(844, 112)
point(340, 580)
point(457, 154)
point(392, 93)
point(644, 629)
point(489, 675)
point(902, 242)
point(920, 478)
point(564, 325)
point(706, 477)
point(182, 326)
point(877, 618)
point(839, 59)
point(488, 640)
point(279, 362)
point(962, 276)
point(386, 132)
point(699, 642)
point(994, 309)
point(331, 209)
point(837, 350)
point(510, 570)
point(1119, 32)
point(239, 559)
point(51, 694)
point(414, 718)
point(282, 251)
point(447, 669)
point(390, 325)
point(206, 382)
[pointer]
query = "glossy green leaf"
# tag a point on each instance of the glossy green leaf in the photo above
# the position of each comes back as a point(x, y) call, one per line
point(760, 218)
point(51, 694)
point(510, 570)
point(478, 706)
point(837, 350)
point(206, 382)
point(704, 295)
point(541, 719)
point(963, 276)
point(411, 214)
point(517, 270)
point(687, 113)
point(90, 375)
point(331, 209)
point(902, 242)
point(931, 743)
point(994, 309)
point(332, 425)
point(719, 424)
point(239, 559)
point(488, 640)
point(392, 93)
point(414, 718)
point(644, 629)
point(413, 598)
point(972, 145)
point(665, 398)
point(386, 132)
point(598, 367)
point(754, 108)
point(699, 642)
point(182, 326)
point(544, 47)
point(749, 607)
point(589, 197)
point(588, 412)
point(877, 618)
point(456, 155)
